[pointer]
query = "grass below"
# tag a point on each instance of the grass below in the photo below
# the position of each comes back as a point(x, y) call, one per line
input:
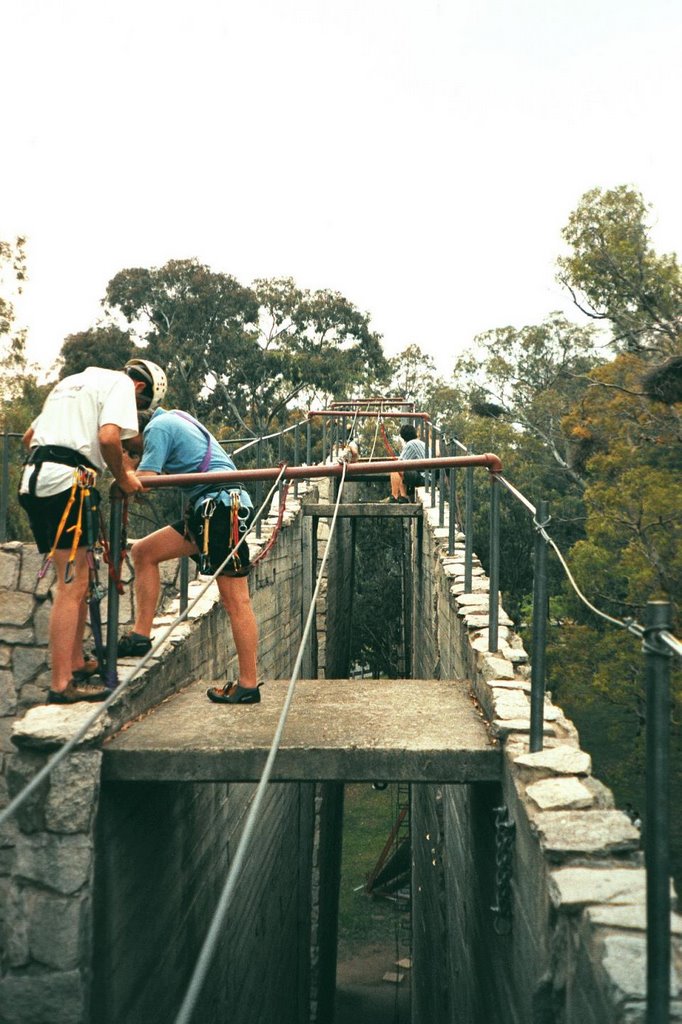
point(364, 920)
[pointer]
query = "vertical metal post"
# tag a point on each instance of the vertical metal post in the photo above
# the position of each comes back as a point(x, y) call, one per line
point(184, 563)
point(442, 476)
point(4, 490)
point(279, 446)
point(259, 487)
point(657, 817)
point(308, 443)
point(308, 568)
point(469, 528)
point(324, 441)
point(452, 506)
point(297, 430)
point(344, 429)
point(539, 644)
point(115, 529)
point(494, 577)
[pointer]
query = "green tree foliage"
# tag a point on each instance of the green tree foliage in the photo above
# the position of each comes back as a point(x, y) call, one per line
point(376, 637)
point(414, 376)
point(105, 345)
point(531, 377)
point(616, 277)
point(243, 354)
point(632, 551)
point(21, 397)
point(189, 319)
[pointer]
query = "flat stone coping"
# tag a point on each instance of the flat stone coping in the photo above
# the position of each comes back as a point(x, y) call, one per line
point(411, 730)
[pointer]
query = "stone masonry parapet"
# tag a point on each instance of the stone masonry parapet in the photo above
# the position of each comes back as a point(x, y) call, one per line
point(591, 852)
point(47, 848)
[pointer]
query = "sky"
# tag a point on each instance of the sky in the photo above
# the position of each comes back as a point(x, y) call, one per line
point(419, 156)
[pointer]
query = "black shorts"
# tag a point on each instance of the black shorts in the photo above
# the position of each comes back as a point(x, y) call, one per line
point(220, 538)
point(412, 479)
point(44, 515)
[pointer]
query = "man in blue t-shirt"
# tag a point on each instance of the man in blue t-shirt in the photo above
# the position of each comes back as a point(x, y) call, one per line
point(403, 484)
point(217, 517)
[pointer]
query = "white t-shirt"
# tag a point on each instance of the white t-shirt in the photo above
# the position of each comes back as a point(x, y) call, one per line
point(74, 411)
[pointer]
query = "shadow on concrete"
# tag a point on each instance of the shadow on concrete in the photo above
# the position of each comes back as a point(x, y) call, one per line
point(363, 997)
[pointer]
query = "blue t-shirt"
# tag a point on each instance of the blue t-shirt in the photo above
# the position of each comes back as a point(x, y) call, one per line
point(173, 444)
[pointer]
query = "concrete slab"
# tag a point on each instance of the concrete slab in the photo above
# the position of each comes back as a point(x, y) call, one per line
point(369, 730)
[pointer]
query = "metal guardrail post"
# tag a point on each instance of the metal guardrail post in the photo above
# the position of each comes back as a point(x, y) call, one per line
point(308, 443)
point(539, 643)
point(184, 565)
point(452, 506)
point(657, 658)
point(469, 528)
point(494, 574)
point(324, 441)
point(297, 430)
point(259, 487)
point(115, 530)
point(442, 477)
point(4, 490)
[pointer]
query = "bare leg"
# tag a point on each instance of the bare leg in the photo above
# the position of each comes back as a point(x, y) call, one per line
point(67, 620)
point(234, 593)
point(147, 554)
point(398, 489)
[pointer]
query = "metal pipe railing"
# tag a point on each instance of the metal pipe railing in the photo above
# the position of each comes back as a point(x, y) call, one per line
point(539, 641)
point(243, 476)
point(657, 659)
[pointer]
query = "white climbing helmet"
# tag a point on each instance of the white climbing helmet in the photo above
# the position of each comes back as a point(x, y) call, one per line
point(153, 375)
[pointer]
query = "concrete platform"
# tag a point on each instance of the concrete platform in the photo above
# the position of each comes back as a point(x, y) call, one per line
point(411, 730)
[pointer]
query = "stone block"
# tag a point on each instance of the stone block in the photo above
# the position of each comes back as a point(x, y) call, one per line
point(17, 635)
point(510, 703)
point(552, 794)
point(31, 563)
point(15, 927)
point(628, 918)
point(57, 998)
point(51, 725)
point(16, 608)
point(27, 662)
point(597, 833)
point(10, 565)
point(8, 693)
point(41, 622)
point(71, 802)
point(494, 667)
point(62, 864)
point(573, 888)
point(21, 769)
point(55, 931)
point(625, 962)
point(5, 657)
point(559, 760)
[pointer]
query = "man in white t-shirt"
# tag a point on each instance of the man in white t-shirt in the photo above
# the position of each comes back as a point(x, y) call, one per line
point(77, 435)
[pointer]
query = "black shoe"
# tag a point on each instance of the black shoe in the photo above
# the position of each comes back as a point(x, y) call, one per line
point(133, 645)
point(90, 668)
point(77, 690)
point(404, 501)
point(234, 693)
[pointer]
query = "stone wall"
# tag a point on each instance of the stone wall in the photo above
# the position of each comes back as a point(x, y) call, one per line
point(573, 950)
point(49, 856)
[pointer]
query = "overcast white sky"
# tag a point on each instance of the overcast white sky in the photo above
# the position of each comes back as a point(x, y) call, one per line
point(420, 156)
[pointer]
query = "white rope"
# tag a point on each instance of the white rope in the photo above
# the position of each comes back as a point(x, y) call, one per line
point(208, 949)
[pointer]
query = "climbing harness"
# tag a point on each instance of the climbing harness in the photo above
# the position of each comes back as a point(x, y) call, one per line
point(208, 508)
point(83, 480)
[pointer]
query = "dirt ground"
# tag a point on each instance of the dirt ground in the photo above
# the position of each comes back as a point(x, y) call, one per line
point(363, 997)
